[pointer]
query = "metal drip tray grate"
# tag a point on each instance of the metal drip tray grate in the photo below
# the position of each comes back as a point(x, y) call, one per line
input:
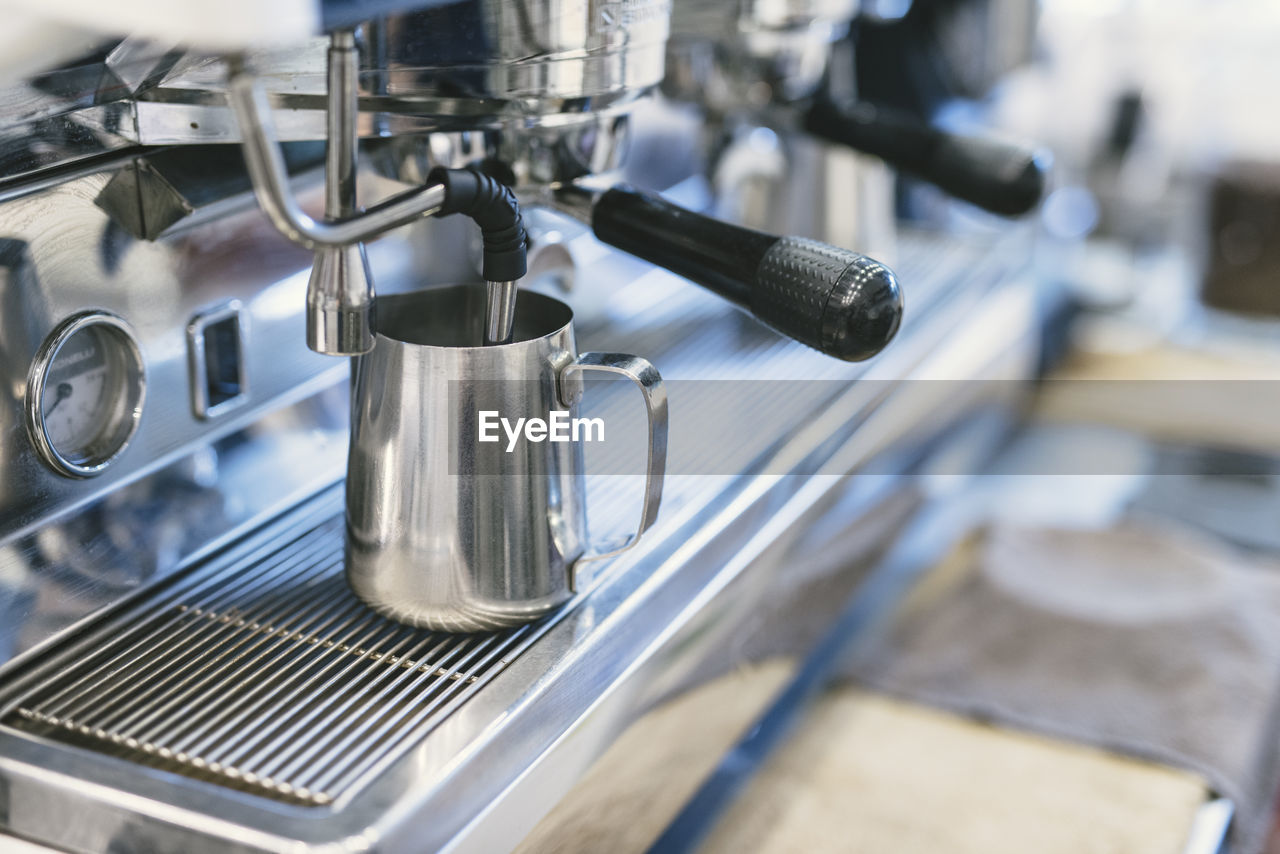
point(263, 673)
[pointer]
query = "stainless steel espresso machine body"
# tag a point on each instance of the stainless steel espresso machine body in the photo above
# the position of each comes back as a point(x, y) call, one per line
point(196, 239)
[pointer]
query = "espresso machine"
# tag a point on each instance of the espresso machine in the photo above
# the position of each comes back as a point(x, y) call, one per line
point(206, 217)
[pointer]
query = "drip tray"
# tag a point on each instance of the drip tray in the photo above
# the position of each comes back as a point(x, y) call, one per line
point(263, 673)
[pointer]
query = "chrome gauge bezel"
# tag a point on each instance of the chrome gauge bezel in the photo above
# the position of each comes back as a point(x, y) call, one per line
point(125, 412)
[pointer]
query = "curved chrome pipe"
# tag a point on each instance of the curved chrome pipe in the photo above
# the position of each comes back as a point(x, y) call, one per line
point(271, 181)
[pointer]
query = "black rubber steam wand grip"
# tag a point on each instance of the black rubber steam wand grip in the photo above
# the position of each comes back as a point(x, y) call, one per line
point(998, 176)
point(839, 302)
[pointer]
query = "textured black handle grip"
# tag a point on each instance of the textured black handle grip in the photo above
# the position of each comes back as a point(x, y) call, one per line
point(997, 176)
point(845, 304)
point(836, 301)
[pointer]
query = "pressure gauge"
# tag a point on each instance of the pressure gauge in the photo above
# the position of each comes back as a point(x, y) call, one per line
point(84, 394)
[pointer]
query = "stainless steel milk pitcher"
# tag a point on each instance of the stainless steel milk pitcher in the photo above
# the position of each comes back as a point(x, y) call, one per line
point(446, 527)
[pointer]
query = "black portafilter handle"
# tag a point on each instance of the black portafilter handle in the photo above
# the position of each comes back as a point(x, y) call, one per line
point(997, 176)
point(836, 301)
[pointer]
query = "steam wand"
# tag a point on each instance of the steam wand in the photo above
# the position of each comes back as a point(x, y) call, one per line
point(500, 315)
point(340, 295)
point(494, 208)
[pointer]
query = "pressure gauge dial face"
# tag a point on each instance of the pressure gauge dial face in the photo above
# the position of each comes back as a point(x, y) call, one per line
point(84, 395)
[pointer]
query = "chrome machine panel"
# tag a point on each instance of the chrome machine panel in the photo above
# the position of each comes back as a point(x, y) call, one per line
point(63, 254)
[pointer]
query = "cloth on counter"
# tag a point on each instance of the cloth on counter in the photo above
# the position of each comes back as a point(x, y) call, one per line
point(1141, 639)
point(872, 775)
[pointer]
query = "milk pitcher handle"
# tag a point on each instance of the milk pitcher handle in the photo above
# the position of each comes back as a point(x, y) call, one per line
point(646, 377)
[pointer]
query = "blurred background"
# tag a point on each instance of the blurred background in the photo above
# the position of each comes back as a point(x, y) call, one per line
point(1089, 655)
